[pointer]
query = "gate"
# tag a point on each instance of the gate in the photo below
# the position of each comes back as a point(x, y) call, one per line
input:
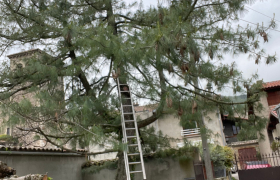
point(258, 167)
point(247, 152)
point(198, 170)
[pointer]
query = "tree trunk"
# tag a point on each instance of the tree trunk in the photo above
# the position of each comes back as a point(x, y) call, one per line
point(206, 153)
point(205, 147)
point(121, 174)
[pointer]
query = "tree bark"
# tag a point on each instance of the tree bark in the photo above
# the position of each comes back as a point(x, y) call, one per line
point(29, 177)
point(121, 174)
point(205, 147)
point(6, 171)
point(206, 152)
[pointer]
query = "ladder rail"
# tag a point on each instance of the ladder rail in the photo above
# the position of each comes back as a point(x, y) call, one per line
point(138, 141)
point(124, 136)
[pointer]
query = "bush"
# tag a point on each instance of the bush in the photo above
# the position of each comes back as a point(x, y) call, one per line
point(221, 156)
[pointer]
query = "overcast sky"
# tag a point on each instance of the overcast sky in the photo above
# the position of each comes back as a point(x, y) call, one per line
point(248, 67)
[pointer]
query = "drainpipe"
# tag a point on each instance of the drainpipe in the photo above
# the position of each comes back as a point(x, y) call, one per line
point(277, 109)
point(221, 127)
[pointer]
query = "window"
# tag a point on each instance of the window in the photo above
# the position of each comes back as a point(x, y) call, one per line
point(234, 129)
point(238, 129)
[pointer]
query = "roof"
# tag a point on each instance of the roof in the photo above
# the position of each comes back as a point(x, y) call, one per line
point(272, 84)
point(32, 149)
point(148, 108)
point(272, 111)
point(24, 53)
point(240, 143)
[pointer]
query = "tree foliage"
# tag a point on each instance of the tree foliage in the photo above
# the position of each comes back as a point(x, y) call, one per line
point(161, 52)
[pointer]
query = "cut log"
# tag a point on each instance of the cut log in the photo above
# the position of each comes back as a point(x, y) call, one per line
point(29, 177)
point(6, 171)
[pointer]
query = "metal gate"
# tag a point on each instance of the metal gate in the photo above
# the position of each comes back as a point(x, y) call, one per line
point(247, 152)
point(258, 167)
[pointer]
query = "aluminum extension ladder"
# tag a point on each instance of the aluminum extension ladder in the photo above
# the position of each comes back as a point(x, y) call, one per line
point(130, 133)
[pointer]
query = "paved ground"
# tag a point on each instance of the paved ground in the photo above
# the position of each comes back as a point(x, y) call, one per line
point(235, 175)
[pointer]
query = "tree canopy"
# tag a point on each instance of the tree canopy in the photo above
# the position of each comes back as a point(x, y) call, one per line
point(162, 52)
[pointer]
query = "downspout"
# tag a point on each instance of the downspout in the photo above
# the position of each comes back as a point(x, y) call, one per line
point(221, 127)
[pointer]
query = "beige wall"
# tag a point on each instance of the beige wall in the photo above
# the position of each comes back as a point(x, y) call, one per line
point(214, 123)
point(170, 126)
point(264, 144)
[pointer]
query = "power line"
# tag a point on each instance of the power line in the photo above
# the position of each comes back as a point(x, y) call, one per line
point(257, 25)
point(262, 13)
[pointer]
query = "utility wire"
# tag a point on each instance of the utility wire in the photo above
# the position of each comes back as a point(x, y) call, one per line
point(262, 13)
point(257, 25)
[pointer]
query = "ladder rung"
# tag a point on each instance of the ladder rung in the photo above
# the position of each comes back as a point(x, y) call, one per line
point(124, 91)
point(126, 98)
point(127, 105)
point(131, 137)
point(130, 163)
point(129, 128)
point(134, 163)
point(123, 84)
point(135, 172)
point(132, 145)
point(128, 113)
point(133, 154)
point(128, 121)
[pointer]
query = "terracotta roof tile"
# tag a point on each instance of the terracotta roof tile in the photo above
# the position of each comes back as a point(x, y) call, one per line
point(149, 108)
point(272, 84)
point(24, 53)
point(273, 112)
point(19, 148)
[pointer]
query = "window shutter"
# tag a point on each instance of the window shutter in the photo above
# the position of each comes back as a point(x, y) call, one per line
point(234, 129)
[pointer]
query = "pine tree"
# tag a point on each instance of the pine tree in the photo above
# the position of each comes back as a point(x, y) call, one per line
point(89, 43)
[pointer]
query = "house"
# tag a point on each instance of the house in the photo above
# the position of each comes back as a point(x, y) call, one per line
point(272, 131)
point(17, 62)
point(253, 144)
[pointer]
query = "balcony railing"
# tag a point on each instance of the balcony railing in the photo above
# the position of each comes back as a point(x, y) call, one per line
point(191, 132)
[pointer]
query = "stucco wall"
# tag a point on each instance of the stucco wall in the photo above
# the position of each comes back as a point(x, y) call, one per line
point(165, 169)
point(58, 167)
point(213, 122)
point(170, 126)
point(264, 144)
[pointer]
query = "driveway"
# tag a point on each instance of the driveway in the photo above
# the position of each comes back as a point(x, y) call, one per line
point(235, 175)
